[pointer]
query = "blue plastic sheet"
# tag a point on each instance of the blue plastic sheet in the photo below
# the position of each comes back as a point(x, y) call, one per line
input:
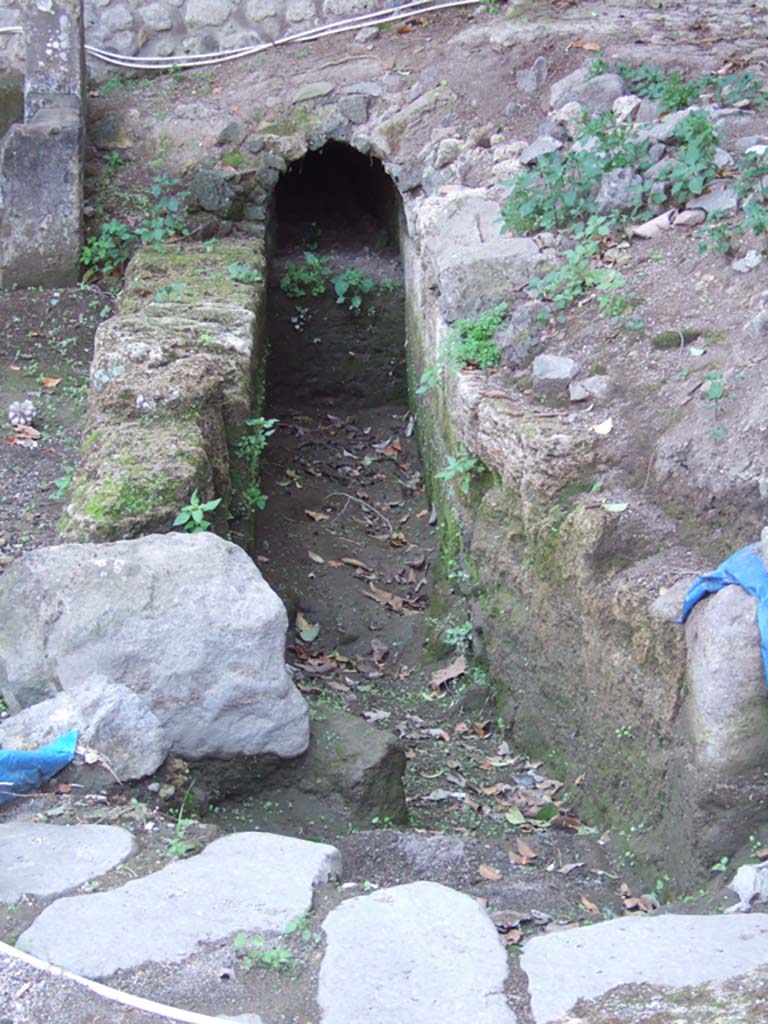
point(22, 770)
point(746, 569)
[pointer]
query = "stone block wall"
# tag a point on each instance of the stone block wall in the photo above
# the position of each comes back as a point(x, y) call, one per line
point(41, 159)
point(169, 27)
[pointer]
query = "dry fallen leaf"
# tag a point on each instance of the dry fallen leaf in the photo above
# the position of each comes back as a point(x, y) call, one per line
point(444, 675)
point(316, 517)
point(315, 557)
point(355, 563)
point(50, 382)
point(566, 869)
point(489, 873)
point(581, 44)
point(589, 905)
point(604, 428)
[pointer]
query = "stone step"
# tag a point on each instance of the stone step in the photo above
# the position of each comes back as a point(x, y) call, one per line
point(247, 881)
point(48, 860)
point(421, 953)
point(673, 950)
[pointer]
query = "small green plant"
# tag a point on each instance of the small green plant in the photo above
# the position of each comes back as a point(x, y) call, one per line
point(351, 286)
point(249, 448)
point(244, 274)
point(108, 251)
point(63, 483)
point(310, 278)
point(460, 636)
point(694, 166)
point(170, 293)
point(471, 342)
point(721, 865)
point(624, 732)
point(461, 467)
point(255, 953)
point(192, 516)
point(428, 380)
point(180, 845)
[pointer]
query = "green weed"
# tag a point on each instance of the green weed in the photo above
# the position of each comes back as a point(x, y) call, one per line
point(471, 342)
point(310, 278)
point(462, 468)
point(192, 516)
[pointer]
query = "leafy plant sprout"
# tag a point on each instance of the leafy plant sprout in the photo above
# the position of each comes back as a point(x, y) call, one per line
point(192, 516)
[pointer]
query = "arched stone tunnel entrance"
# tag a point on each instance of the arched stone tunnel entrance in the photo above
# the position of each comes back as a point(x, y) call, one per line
point(336, 309)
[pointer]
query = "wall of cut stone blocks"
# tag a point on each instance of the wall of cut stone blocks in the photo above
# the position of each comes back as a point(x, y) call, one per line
point(177, 27)
point(41, 158)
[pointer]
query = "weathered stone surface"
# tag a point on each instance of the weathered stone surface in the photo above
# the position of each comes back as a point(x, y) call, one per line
point(171, 390)
point(664, 130)
point(248, 881)
point(597, 94)
point(673, 950)
point(110, 718)
point(519, 339)
point(184, 621)
point(419, 952)
point(720, 198)
point(473, 278)
point(533, 78)
point(313, 91)
point(351, 769)
point(733, 1001)
point(560, 90)
point(589, 389)
point(551, 377)
point(620, 189)
point(48, 860)
point(204, 13)
point(214, 192)
point(726, 698)
point(538, 148)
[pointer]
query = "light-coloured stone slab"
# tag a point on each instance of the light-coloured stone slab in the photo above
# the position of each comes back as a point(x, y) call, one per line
point(249, 881)
point(47, 860)
point(418, 953)
point(674, 950)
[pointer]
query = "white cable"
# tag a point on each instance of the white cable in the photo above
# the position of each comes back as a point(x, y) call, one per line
point(398, 13)
point(304, 35)
point(13, 28)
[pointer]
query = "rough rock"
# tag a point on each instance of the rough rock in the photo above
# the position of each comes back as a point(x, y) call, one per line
point(231, 135)
point(726, 699)
point(595, 388)
point(110, 718)
point(448, 150)
point(351, 771)
point(538, 148)
point(560, 90)
point(520, 337)
point(620, 189)
point(418, 952)
point(214, 192)
point(48, 860)
point(313, 91)
point(597, 94)
point(186, 622)
point(551, 377)
point(476, 277)
point(533, 78)
point(248, 881)
point(672, 950)
point(664, 130)
point(719, 198)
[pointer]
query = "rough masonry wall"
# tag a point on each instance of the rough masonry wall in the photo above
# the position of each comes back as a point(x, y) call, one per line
point(169, 27)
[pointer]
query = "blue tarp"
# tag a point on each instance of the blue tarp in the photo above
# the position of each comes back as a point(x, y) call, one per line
point(22, 770)
point(746, 569)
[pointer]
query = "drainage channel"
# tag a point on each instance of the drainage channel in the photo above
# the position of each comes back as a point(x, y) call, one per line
point(380, 642)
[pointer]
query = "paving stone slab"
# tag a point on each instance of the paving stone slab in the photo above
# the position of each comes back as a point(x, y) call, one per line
point(249, 881)
point(673, 950)
point(47, 860)
point(420, 953)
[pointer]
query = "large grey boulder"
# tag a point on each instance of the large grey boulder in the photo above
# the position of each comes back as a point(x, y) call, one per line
point(420, 953)
point(248, 881)
point(47, 860)
point(674, 950)
point(185, 622)
point(726, 707)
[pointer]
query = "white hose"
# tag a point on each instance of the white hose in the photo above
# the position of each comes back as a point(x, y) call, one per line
point(13, 28)
point(398, 13)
